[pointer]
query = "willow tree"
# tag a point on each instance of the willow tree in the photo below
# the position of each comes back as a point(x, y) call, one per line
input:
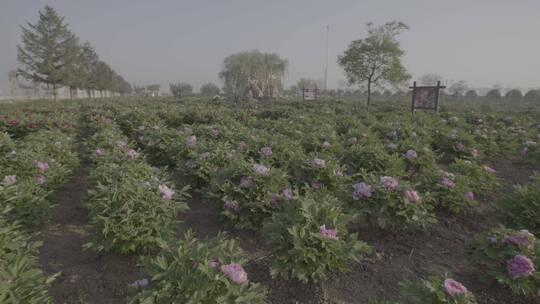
point(253, 74)
point(377, 58)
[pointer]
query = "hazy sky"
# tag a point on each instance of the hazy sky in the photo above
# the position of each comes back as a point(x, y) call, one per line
point(485, 42)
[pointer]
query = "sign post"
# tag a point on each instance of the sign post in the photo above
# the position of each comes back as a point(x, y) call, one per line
point(425, 97)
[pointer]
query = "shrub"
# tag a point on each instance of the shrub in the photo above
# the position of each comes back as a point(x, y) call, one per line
point(191, 271)
point(131, 207)
point(25, 202)
point(392, 203)
point(449, 191)
point(522, 207)
point(309, 238)
point(20, 280)
point(510, 257)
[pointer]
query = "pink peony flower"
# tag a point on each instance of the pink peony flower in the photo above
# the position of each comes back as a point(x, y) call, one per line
point(273, 200)
point(213, 264)
point(166, 192)
point(215, 132)
point(412, 196)
point(328, 233)
point(42, 166)
point(266, 151)
point(40, 179)
point(235, 273)
point(191, 141)
point(411, 155)
point(362, 190)
point(288, 194)
point(389, 183)
point(316, 185)
point(10, 180)
point(261, 169)
point(100, 152)
point(490, 170)
point(353, 140)
point(121, 144)
point(326, 145)
point(520, 266)
point(132, 154)
point(246, 182)
point(454, 288)
point(469, 196)
point(231, 206)
point(447, 183)
point(318, 163)
point(459, 147)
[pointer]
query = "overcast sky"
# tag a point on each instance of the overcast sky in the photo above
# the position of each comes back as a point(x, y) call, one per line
point(486, 42)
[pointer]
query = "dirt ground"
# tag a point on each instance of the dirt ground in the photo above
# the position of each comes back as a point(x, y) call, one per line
point(87, 277)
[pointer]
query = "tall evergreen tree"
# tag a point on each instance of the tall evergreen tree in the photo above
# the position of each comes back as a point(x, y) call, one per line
point(47, 50)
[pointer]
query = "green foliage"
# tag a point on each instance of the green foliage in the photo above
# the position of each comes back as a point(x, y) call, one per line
point(521, 208)
point(299, 250)
point(377, 58)
point(431, 291)
point(188, 271)
point(492, 251)
point(20, 280)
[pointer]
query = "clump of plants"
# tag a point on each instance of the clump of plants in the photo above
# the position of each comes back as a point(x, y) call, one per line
point(434, 290)
point(391, 203)
point(510, 257)
point(20, 280)
point(192, 271)
point(522, 207)
point(309, 238)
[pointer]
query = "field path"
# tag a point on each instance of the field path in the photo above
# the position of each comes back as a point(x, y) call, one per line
point(85, 276)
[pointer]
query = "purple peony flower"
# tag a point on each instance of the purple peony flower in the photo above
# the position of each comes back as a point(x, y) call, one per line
point(261, 169)
point(459, 147)
point(132, 154)
point(318, 163)
point(10, 180)
point(454, 288)
point(100, 152)
point(266, 151)
point(273, 200)
point(328, 233)
point(411, 155)
point(215, 132)
point(246, 182)
point(362, 190)
point(40, 179)
point(520, 266)
point(389, 183)
point(521, 238)
point(231, 206)
point(469, 196)
point(42, 166)
point(490, 170)
point(139, 284)
point(191, 141)
point(235, 273)
point(447, 183)
point(166, 192)
point(288, 194)
point(213, 264)
point(412, 196)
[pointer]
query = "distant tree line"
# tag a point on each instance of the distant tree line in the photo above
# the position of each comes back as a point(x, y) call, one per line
point(51, 54)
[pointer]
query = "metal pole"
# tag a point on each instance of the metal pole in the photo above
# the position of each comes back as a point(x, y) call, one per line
point(326, 66)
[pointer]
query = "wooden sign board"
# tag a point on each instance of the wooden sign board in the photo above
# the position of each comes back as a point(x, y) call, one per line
point(311, 94)
point(425, 97)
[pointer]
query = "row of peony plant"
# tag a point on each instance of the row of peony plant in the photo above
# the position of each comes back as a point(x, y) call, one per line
point(32, 168)
point(20, 122)
point(132, 205)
